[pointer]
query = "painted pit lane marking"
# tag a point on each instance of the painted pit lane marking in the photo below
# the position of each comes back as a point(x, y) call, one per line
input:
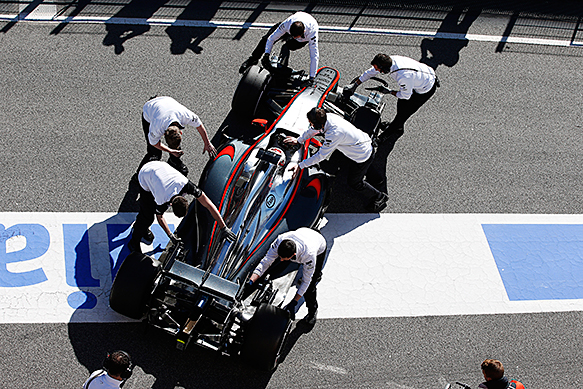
point(46, 15)
point(58, 267)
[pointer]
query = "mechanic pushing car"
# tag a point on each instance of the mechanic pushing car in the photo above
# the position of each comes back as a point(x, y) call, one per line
point(417, 83)
point(298, 30)
point(342, 140)
point(163, 115)
point(306, 247)
point(161, 185)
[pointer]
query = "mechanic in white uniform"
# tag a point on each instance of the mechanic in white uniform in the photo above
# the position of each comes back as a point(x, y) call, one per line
point(161, 186)
point(353, 145)
point(417, 83)
point(117, 368)
point(298, 30)
point(163, 114)
point(306, 247)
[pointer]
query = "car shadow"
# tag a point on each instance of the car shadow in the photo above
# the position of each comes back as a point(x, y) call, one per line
point(154, 354)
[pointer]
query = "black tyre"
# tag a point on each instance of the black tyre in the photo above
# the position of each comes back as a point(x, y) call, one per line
point(133, 284)
point(249, 91)
point(264, 337)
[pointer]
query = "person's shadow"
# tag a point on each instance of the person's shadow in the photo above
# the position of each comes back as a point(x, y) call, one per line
point(189, 38)
point(444, 50)
point(118, 34)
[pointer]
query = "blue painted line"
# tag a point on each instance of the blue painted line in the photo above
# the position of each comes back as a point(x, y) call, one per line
point(538, 261)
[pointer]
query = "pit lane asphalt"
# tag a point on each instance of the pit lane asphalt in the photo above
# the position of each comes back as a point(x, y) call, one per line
point(502, 135)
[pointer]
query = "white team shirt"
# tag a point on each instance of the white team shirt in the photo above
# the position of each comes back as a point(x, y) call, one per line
point(409, 74)
point(162, 111)
point(341, 135)
point(101, 381)
point(162, 180)
point(309, 244)
point(310, 36)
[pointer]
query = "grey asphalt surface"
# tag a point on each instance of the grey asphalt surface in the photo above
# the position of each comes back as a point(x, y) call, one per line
point(502, 135)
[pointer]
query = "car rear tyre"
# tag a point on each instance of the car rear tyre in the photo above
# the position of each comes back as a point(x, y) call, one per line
point(265, 336)
point(132, 285)
point(250, 90)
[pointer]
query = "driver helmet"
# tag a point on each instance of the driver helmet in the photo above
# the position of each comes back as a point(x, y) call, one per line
point(278, 151)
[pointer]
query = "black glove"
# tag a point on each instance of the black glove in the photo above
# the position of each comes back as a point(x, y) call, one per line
point(380, 88)
point(309, 82)
point(175, 240)
point(229, 235)
point(266, 62)
point(249, 283)
point(349, 89)
point(291, 308)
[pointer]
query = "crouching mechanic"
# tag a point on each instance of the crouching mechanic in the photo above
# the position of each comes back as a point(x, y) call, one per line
point(417, 83)
point(306, 247)
point(161, 186)
point(297, 31)
point(162, 116)
point(354, 144)
point(494, 375)
point(117, 368)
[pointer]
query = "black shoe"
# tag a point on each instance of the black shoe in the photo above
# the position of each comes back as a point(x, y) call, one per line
point(148, 238)
point(310, 319)
point(384, 125)
point(390, 136)
point(380, 185)
point(247, 64)
point(378, 204)
point(134, 247)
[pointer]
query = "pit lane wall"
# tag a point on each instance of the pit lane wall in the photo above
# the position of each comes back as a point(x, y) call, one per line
point(58, 267)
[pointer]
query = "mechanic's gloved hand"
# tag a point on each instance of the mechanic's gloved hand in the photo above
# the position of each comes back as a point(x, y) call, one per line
point(309, 82)
point(291, 308)
point(266, 62)
point(229, 235)
point(380, 88)
point(175, 239)
point(349, 89)
point(249, 283)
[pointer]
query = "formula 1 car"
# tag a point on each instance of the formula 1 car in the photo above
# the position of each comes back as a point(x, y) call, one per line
point(198, 291)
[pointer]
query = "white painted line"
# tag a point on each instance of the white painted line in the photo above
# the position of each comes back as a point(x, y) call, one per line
point(44, 18)
point(57, 267)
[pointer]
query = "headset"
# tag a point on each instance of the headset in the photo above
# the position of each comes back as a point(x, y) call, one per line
point(110, 364)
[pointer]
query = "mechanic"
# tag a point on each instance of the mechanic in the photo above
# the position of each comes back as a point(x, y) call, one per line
point(417, 83)
point(306, 247)
point(298, 30)
point(117, 368)
point(355, 147)
point(161, 115)
point(494, 374)
point(161, 186)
